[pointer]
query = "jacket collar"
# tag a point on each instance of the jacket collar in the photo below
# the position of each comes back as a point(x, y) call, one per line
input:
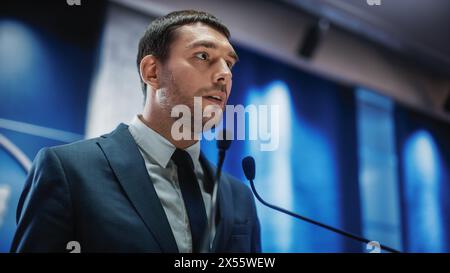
point(155, 145)
point(127, 163)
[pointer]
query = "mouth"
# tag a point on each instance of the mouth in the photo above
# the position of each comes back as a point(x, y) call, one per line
point(214, 99)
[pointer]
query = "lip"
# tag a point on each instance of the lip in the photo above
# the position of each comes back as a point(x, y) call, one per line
point(218, 101)
point(213, 101)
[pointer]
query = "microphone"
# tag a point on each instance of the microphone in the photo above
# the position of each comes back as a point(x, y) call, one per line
point(248, 165)
point(223, 143)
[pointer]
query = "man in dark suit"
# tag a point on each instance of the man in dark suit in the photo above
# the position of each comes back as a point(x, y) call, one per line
point(142, 188)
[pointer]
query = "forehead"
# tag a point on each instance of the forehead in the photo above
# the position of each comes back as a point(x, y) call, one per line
point(188, 35)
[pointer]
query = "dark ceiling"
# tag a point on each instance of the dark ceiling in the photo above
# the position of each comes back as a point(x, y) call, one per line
point(417, 29)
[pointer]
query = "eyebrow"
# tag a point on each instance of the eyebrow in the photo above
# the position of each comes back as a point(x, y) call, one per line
point(208, 44)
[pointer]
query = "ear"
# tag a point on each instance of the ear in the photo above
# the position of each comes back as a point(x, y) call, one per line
point(148, 70)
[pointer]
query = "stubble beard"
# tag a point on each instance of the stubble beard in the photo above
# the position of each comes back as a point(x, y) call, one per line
point(172, 95)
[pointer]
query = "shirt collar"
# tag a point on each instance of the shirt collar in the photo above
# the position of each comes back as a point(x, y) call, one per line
point(156, 146)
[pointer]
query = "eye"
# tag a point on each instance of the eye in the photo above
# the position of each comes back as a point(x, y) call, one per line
point(230, 65)
point(202, 55)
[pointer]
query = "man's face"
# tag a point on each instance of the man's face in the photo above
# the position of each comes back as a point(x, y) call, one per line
point(199, 65)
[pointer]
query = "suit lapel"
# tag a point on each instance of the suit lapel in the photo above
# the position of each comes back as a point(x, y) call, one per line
point(225, 208)
point(128, 165)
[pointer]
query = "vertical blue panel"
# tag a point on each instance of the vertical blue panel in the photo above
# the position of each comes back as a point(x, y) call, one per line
point(422, 173)
point(424, 152)
point(378, 169)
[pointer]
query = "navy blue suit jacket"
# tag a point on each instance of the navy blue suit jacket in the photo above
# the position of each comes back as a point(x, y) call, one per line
point(98, 192)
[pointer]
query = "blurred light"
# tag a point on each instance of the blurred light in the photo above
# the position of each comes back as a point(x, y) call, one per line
point(5, 192)
point(16, 49)
point(274, 168)
point(423, 157)
point(422, 182)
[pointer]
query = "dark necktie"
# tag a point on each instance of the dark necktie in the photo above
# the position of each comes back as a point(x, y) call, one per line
point(192, 197)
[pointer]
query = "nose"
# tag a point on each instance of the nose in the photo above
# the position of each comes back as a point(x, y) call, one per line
point(223, 73)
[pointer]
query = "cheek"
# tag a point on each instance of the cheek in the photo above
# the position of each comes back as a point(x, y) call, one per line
point(229, 88)
point(187, 79)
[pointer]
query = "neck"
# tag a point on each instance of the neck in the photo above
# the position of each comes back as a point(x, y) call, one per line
point(162, 124)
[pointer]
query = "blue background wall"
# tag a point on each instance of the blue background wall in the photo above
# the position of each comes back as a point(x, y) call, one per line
point(47, 64)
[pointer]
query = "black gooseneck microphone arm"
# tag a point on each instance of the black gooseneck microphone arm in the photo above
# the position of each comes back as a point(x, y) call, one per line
point(223, 143)
point(248, 165)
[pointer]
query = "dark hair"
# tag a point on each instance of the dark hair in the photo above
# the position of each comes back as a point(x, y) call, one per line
point(160, 34)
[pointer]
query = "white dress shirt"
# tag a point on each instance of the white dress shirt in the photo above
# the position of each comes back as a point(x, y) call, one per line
point(157, 152)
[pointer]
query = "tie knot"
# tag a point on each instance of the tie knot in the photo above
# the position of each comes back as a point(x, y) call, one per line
point(182, 159)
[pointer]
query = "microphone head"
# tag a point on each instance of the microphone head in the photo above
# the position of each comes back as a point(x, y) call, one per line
point(224, 140)
point(248, 165)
